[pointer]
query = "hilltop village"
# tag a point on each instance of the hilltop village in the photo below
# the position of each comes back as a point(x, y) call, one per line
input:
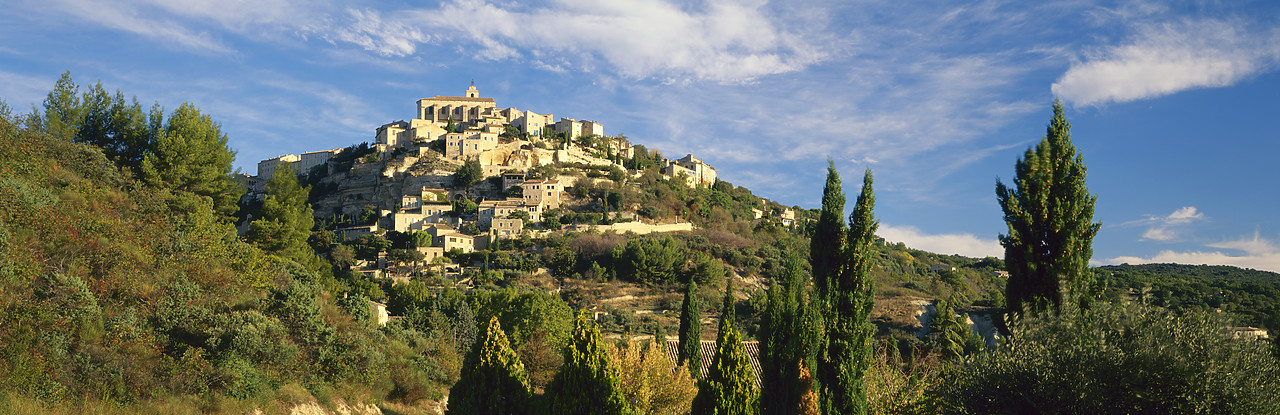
point(469, 173)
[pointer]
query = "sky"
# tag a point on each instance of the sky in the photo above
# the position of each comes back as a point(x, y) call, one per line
point(1173, 104)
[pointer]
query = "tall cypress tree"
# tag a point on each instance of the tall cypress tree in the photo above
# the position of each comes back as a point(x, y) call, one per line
point(951, 333)
point(828, 235)
point(493, 380)
point(587, 383)
point(727, 312)
point(848, 348)
point(691, 331)
point(729, 388)
point(1049, 214)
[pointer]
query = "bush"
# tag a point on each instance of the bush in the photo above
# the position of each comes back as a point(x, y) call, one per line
point(1118, 359)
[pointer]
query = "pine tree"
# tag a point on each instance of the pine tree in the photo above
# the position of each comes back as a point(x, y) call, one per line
point(729, 388)
point(192, 156)
point(63, 111)
point(848, 348)
point(286, 218)
point(587, 383)
point(828, 235)
point(493, 380)
point(691, 331)
point(1049, 214)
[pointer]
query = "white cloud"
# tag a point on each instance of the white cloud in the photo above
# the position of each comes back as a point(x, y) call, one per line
point(1255, 252)
point(1168, 228)
point(959, 244)
point(385, 37)
point(20, 91)
point(1168, 58)
point(717, 40)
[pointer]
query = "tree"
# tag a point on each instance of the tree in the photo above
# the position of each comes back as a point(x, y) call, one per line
point(192, 156)
point(493, 380)
point(729, 388)
point(790, 338)
point(63, 111)
point(587, 383)
point(828, 236)
point(286, 219)
point(651, 381)
point(951, 332)
point(1049, 213)
point(691, 331)
point(852, 296)
point(469, 174)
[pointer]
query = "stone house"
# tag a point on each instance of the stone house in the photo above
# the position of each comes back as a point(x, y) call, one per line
point(506, 228)
point(469, 144)
point(543, 194)
point(267, 168)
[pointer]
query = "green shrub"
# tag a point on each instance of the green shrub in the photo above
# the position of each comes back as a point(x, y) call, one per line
point(1118, 359)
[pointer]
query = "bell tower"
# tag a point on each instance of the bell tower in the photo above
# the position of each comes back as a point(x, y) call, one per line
point(471, 91)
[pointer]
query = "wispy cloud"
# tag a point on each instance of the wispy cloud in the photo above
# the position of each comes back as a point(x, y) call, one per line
point(1256, 252)
point(1167, 58)
point(386, 37)
point(1168, 228)
point(958, 244)
point(717, 40)
point(18, 90)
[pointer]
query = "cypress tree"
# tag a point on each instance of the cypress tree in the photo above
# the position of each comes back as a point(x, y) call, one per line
point(828, 235)
point(727, 314)
point(1049, 214)
point(587, 383)
point(788, 343)
point(848, 348)
point(691, 331)
point(493, 380)
point(729, 388)
point(951, 339)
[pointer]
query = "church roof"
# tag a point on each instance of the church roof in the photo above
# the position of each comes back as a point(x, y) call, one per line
point(465, 99)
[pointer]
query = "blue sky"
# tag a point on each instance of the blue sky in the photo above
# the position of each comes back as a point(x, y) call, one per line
point(1173, 104)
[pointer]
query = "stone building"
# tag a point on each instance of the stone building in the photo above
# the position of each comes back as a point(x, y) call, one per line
point(469, 144)
point(267, 168)
point(545, 194)
point(457, 109)
point(695, 171)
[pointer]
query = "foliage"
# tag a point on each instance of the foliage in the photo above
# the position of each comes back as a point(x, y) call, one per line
point(828, 238)
point(494, 381)
point(848, 350)
point(191, 155)
point(1049, 213)
point(651, 381)
point(286, 218)
point(1118, 359)
point(896, 387)
point(649, 261)
point(1252, 296)
point(587, 383)
point(691, 331)
point(524, 312)
point(469, 174)
point(790, 338)
point(729, 387)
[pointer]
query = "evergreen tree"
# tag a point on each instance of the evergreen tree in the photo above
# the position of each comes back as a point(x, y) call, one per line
point(63, 111)
point(828, 235)
point(587, 383)
point(286, 218)
point(729, 388)
point(192, 156)
point(121, 129)
point(464, 326)
point(951, 332)
point(493, 380)
point(691, 331)
point(848, 348)
point(1049, 213)
point(727, 314)
point(788, 343)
